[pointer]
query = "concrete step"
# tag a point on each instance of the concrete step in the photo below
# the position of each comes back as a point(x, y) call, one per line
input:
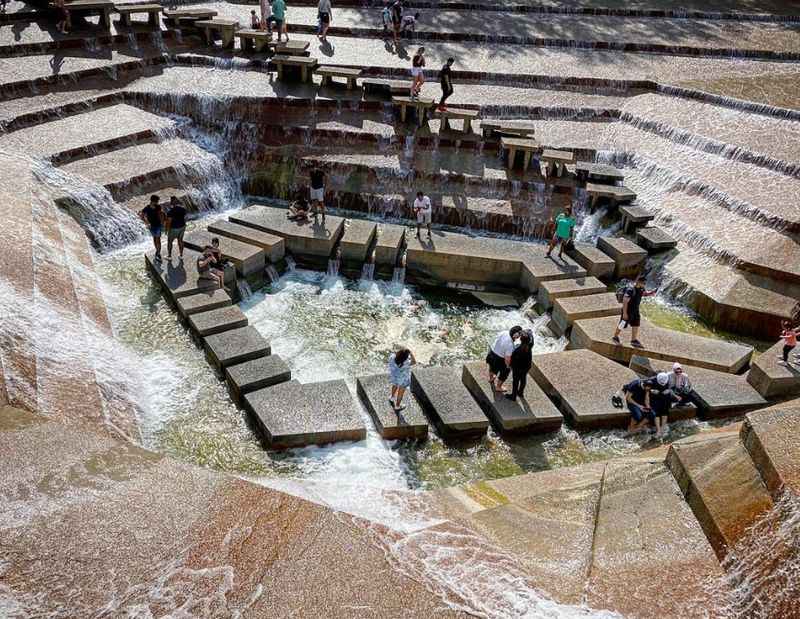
point(714, 475)
point(596, 262)
point(773, 379)
point(772, 439)
point(410, 423)
point(249, 260)
point(659, 343)
point(562, 288)
point(202, 302)
point(273, 246)
point(256, 374)
point(446, 402)
point(217, 320)
point(654, 239)
point(356, 240)
point(567, 310)
point(180, 277)
point(628, 256)
point(235, 346)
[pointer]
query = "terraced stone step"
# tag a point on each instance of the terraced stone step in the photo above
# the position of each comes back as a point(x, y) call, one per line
point(596, 262)
point(202, 302)
point(570, 309)
point(356, 240)
point(291, 414)
point(563, 288)
point(235, 346)
point(390, 238)
point(256, 374)
point(628, 256)
point(772, 439)
point(446, 402)
point(772, 379)
point(249, 260)
point(659, 343)
point(273, 246)
point(217, 320)
point(654, 239)
point(180, 277)
point(410, 423)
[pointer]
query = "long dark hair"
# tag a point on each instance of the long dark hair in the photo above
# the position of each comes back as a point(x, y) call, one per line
point(525, 342)
point(401, 356)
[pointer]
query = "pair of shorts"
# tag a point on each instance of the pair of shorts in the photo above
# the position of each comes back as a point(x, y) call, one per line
point(497, 365)
point(416, 71)
point(423, 217)
point(325, 18)
point(278, 23)
point(176, 233)
point(638, 413)
point(155, 231)
point(318, 195)
point(634, 320)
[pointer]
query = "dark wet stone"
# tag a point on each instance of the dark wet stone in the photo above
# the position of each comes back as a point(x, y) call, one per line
point(256, 374)
point(217, 320)
point(374, 392)
point(447, 402)
point(235, 346)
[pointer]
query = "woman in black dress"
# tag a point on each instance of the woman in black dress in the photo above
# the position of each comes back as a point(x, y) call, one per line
point(521, 361)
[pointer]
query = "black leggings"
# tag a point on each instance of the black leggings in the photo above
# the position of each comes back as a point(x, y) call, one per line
point(786, 350)
point(518, 381)
point(446, 92)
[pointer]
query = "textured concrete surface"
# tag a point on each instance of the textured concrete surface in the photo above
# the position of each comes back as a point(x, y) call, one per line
point(659, 343)
point(446, 401)
point(567, 310)
point(387, 245)
point(180, 278)
point(562, 288)
point(273, 246)
point(235, 346)
point(654, 239)
point(293, 415)
point(532, 413)
point(217, 320)
point(628, 256)
point(410, 423)
point(770, 378)
point(248, 259)
point(202, 302)
point(772, 439)
point(596, 262)
point(256, 374)
point(356, 239)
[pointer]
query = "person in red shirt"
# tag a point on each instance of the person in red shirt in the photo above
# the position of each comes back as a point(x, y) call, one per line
point(789, 336)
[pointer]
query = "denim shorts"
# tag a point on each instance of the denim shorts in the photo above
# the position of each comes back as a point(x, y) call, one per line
point(638, 413)
point(155, 231)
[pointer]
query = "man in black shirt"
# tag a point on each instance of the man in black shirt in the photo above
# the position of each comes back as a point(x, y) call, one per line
point(318, 192)
point(397, 19)
point(153, 216)
point(446, 83)
point(637, 397)
point(176, 225)
point(631, 300)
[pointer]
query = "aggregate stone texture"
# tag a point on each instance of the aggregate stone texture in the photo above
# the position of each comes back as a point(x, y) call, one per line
point(596, 262)
point(356, 239)
point(549, 291)
point(581, 382)
point(655, 239)
point(772, 379)
point(659, 343)
point(531, 413)
point(628, 256)
point(256, 374)
point(721, 393)
point(312, 237)
point(249, 259)
point(567, 310)
point(715, 475)
point(235, 346)
point(217, 320)
point(635, 213)
point(293, 415)
point(203, 302)
point(446, 401)
point(273, 246)
point(180, 278)
point(772, 439)
point(387, 245)
point(410, 423)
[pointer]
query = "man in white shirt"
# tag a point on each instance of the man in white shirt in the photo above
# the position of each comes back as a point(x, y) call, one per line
point(423, 211)
point(499, 357)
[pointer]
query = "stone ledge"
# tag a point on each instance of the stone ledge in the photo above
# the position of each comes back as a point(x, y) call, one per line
point(628, 256)
point(770, 378)
point(549, 291)
point(567, 310)
point(447, 402)
point(217, 320)
point(273, 246)
point(410, 423)
point(597, 263)
point(772, 438)
point(248, 259)
point(256, 374)
point(235, 346)
point(202, 302)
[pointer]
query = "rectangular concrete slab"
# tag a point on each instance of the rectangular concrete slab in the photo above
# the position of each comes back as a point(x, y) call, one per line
point(446, 401)
point(202, 302)
point(772, 379)
point(235, 346)
point(248, 259)
point(772, 438)
point(581, 383)
point(567, 310)
point(551, 290)
point(721, 393)
point(374, 393)
point(597, 263)
point(628, 256)
point(179, 278)
point(294, 415)
point(217, 320)
point(273, 245)
point(533, 413)
point(356, 239)
point(390, 239)
point(655, 239)
point(302, 238)
point(659, 343)
point(256, 374)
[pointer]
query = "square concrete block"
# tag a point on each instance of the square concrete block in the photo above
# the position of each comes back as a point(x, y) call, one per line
point(771, 437)
point(273, 246)
point(551, 290)
point(772, 379)
point(356, 239)
point(374, 392)
point(628, 256)
point(567, 310)
point(202, 302)
point(596, 263)
point(248, 259)
point(533, 413)
point(655, 239)
point(537, 268)
point(387, 245)
point(217, 321)
point(582, 382)
point(235, 346)
point(634, 216)
point(294, 415)
point(256, 374)
point(447, 402)
point(180, 278)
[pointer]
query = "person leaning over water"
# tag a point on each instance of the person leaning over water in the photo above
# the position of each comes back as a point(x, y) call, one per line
point(499, 357)
point(400, 363)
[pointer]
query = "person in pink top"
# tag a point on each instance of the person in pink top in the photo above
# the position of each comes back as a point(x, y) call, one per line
point(789, 336)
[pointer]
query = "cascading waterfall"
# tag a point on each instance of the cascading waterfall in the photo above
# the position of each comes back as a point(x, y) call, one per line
point(291, 265)
point(245, 292)
point(272, 273)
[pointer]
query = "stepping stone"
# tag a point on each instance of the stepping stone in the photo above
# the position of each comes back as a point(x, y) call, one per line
point(715, 474)
point(628, 256)
point(301, 238)
point(659, 343)
point(356, 239)
point(446, 401)
point(722, 394)
point(387, 246)
point(772, 379)
point(581, 383)
point(596, 263)
point(248, 259)
point(551, 290)
point(615, 193)
point(567, 310)
point(655, 239)
point(273, 246)
point(202, 302)
point(534, 413)
point(598, 172)
point(634, 216)
point(645, 531)
point(374, 393)
point(293, 415)
point(771, 437)
point(180, 278)
point(235, 346)
point(256, 374)
point(217, 321)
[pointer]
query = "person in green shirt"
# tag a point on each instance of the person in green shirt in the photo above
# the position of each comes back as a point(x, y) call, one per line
point(565, 224)
point(279, 13)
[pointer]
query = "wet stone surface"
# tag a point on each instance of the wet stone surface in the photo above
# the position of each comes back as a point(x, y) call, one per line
point(217, 320)
point(256, 374)
point(446, 401)
point(202, 302)
point(235, 346)
point(410, 423)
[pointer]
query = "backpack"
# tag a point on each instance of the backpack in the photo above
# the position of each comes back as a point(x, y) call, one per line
point(622, 290)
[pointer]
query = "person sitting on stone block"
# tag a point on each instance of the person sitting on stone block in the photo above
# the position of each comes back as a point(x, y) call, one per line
point(637, 397)
point(207, 269)
point(298, 210)
point(682, 387)
point(661, 400)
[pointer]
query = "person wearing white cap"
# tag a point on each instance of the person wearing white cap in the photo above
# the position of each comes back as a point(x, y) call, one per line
point(661, 399)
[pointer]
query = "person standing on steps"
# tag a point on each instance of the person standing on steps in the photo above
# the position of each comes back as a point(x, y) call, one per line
point(255, 23)
point(397, 20)
point(266, 17)
point(418, 72)
point(176, 225)
point(424, 212)
point(317, 193)
point(499, 357)
point(565, 224)
point(521, 362)
point(445, 81)
point(153, 216)
point(279, 17)
point(324, 13)
point(789, 337)
point(400, 363)
point(631, 316)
